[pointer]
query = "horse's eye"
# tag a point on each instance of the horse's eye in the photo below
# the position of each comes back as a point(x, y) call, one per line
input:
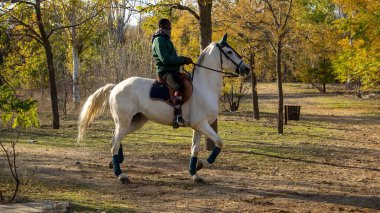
point(229, 52)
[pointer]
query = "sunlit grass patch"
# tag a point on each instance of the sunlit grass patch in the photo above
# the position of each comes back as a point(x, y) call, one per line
point(81, 199)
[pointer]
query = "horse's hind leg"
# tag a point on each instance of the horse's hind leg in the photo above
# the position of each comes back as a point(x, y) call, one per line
point(121, 130)
point(137, 123)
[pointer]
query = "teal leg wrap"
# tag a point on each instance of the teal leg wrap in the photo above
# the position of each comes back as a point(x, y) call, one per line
point(193, 165)
point(116, 165)
point(215, 152)
point(121, 155)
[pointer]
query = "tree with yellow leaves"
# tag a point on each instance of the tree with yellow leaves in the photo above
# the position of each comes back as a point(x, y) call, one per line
point(316, 52)
point(359, 58)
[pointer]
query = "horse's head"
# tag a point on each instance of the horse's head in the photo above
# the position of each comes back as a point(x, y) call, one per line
point(230, 59)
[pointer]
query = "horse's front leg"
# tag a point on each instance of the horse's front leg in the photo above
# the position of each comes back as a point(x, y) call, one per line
point(207, 130)
point(195, 148)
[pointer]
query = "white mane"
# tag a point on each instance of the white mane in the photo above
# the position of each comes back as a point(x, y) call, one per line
point(207, 49)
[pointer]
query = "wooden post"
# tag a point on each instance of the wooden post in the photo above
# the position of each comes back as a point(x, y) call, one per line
point(209, 146)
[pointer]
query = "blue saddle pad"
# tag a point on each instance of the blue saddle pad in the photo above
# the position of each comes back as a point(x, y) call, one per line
point(160, 92)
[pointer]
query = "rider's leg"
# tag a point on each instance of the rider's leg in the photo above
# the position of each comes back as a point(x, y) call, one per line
point(178, 119)
point(178, 100)
point(174, 81)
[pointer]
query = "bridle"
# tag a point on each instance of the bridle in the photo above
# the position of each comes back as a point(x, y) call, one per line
point(229, 74)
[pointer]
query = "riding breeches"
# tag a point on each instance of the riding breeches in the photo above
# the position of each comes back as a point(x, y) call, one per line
point(173, 80)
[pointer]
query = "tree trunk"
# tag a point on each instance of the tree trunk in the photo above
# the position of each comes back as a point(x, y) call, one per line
point(317, 87)
point(324, 87)
point(120, 24)
point(232, 99)
point(205, 25)
point(1, 79)
point(53, 87)
point(63, 106)
point(205, 38)
point(255, 99)
point(286, 74)
point(75, 55)
point(50, 64)
point(280, 113)
point(358, 90)
point(76, 91)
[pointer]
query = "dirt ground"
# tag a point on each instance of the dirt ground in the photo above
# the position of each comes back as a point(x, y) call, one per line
point(334, 170)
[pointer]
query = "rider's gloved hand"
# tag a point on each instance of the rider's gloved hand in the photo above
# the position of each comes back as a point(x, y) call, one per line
point(188, 60)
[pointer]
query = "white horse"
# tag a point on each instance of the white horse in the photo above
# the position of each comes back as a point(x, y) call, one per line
point(131, 106)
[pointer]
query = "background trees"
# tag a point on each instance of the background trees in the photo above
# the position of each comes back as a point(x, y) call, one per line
point(75, 46)
point(315, 61)
point(36, 20)
point(26, 20)
point(358, 58)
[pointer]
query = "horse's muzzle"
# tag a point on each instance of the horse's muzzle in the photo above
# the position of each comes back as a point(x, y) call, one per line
point(243, 70)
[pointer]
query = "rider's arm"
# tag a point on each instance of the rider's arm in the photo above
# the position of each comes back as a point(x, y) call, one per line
point(161, 49)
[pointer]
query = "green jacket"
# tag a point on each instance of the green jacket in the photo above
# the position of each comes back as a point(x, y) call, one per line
point(165, 55)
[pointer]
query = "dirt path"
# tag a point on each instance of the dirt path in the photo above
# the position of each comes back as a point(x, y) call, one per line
point(323, 163)
point(346, 181)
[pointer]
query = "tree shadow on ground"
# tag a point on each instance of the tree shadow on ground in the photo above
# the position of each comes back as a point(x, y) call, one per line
point(345, 120)
point(310, 161)
point(76, 207)
point(372, 202)
point(160, 184)
point(334, 119)
point(274, 97)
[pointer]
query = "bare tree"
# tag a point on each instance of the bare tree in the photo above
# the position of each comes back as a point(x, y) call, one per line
point(75, 45)
point(134, 58)
point(235, 95)
point(75, 12)
point(275, 33)
point(12, 163)
point(119, 15)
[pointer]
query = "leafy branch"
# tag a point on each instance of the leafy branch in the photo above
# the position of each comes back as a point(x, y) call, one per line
point(21, 114)
point(171, 6)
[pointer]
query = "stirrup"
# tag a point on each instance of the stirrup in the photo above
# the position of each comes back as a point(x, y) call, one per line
point(178, 121)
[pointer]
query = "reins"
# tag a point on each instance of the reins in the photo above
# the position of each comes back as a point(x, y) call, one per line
point(229, 74)
point(214, 70)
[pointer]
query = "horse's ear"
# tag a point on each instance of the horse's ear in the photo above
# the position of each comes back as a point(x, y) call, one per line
point(224, 39)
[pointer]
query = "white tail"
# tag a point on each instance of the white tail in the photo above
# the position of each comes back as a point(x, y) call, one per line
point(93, 107)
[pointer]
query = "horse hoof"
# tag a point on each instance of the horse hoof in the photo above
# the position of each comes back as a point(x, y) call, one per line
point(110, 165)
point(124, 179)
point(202, 164)
point(198, 179)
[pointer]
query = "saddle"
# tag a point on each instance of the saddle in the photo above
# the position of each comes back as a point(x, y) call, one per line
point(160, 91)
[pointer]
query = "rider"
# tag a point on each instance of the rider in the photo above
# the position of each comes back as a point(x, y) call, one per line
point(168, 64)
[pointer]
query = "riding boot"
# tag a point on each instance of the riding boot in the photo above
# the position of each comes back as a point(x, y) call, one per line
point(178, 120)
